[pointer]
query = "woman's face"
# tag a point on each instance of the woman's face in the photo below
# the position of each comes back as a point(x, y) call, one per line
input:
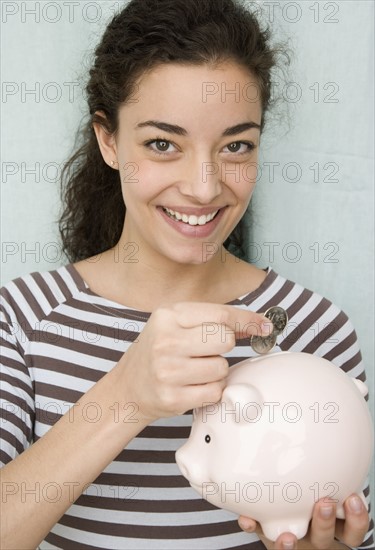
point(187, 149)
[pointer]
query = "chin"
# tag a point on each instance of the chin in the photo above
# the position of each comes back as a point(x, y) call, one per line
point(190, 258)
point(189, 261)
point(187, 253)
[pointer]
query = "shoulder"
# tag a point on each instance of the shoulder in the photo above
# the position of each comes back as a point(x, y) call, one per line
point(32, 297)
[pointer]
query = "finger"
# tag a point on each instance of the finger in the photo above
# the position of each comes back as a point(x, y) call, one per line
point(242, 322)
point(195, 397)
point(286, 541)
point(323, 524)
point(356, 522)
point(197, 341)
point(206, 340)
point(247, 524)
point(200, 370)
point(207, 370)
point(176, 401)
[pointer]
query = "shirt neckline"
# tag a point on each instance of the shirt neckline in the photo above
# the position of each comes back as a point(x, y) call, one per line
point(109, 305)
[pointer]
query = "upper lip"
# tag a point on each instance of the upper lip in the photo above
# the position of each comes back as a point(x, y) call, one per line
point(191, 211)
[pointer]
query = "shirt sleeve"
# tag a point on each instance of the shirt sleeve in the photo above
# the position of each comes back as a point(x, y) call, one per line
point(17, 401)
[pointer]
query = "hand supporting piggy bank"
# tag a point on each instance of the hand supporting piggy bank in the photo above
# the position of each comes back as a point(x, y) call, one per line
point(290, 429)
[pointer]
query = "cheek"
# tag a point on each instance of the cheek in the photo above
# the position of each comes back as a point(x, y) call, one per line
point(146, 179)
point(250, 174)
point(240, 178)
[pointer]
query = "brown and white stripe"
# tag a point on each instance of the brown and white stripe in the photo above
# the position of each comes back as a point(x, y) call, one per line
point(59, 339)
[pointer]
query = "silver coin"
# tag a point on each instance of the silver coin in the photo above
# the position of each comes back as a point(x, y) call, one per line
point(279, 318)
point(263, 345)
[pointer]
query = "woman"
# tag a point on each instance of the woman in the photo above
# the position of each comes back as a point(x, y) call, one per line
point(103, 356)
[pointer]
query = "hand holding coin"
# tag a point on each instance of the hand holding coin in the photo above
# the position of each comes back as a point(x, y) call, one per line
point(265, 344)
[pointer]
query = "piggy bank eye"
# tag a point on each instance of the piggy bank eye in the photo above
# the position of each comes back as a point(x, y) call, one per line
point(207, 438)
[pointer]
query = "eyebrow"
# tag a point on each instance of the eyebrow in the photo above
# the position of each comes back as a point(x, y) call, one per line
point(173, 129)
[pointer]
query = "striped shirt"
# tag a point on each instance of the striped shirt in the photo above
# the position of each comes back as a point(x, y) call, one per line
point(60, 338)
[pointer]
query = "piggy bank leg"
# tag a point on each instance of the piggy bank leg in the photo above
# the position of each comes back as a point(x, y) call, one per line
point(340, 512)
point(273, 529)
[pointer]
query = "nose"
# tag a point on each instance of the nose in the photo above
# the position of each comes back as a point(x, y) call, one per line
point(189, 463)
point(202, 182)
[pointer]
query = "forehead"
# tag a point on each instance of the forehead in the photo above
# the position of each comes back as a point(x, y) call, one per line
point(200, 93)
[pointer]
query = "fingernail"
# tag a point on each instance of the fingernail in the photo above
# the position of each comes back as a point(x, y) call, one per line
point(326, 511)
point(356, 505)
point(288, 545)
point(267, 328)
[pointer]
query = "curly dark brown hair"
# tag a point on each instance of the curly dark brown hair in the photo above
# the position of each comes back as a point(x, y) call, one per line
point(144, 34)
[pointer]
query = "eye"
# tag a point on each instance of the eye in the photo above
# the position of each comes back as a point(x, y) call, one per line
point(240, 147)
point(207, 439)
point(161, 146)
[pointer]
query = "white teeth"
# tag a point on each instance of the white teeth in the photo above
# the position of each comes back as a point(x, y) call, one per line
point(191, 220)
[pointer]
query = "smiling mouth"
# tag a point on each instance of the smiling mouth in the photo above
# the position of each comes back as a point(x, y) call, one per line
point(191, 220)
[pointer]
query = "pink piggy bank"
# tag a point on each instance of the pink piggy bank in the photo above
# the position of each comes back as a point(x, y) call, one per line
point(290, 429)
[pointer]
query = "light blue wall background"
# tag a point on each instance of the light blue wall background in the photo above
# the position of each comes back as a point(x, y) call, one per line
point(314, 206)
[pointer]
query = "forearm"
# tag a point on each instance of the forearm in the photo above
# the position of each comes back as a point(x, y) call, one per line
point(69, 457)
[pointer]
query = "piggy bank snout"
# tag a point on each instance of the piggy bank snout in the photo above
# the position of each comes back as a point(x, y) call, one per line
point(181, 462)
point(190, 467)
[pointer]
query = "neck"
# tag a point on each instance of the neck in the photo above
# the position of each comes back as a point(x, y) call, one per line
point(163, 282)
point(147, 285)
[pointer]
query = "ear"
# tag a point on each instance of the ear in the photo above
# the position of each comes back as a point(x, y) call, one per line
point(361, 386)
point(106, 141)
point(241, 394)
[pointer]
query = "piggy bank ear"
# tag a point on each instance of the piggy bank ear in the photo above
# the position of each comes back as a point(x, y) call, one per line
point(241, 395)
point(361, 386)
